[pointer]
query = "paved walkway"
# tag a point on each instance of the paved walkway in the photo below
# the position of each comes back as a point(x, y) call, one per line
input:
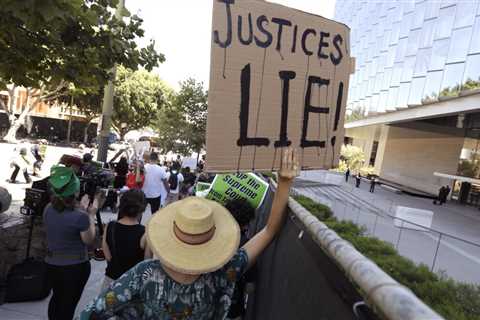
point(459, 259)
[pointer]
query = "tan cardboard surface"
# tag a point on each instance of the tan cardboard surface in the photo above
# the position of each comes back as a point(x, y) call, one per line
point(225, 153)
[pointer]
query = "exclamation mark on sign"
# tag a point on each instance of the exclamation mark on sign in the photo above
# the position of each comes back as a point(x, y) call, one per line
point(337, 117)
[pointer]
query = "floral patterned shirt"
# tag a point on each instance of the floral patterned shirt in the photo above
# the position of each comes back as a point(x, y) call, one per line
point(147, 292)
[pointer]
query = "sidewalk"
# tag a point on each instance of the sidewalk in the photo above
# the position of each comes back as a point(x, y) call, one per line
point(460, 259)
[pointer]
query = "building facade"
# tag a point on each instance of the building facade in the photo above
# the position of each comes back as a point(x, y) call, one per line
point(414, 98)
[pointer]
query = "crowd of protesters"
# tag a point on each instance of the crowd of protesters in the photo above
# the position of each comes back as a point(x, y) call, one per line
point(189, 262)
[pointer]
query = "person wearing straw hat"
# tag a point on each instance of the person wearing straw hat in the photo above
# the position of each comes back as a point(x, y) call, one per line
point(69, 230)
point(197, 260)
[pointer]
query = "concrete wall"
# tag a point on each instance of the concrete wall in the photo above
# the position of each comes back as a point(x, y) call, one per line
point(412, 156)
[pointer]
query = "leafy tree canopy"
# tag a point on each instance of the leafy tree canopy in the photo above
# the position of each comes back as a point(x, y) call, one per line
point(182, 124)
point(61, 41)
point(139, 95)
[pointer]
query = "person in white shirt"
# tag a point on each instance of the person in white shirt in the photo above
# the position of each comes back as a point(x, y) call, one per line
point(155, 183)
point(164, 194)
point(175, 180)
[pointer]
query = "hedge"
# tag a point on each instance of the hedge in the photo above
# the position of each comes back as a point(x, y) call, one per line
point(451, 299)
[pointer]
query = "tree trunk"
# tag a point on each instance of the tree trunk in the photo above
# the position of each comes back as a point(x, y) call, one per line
point(69, 131)
point(85, 132)
point(16, 123)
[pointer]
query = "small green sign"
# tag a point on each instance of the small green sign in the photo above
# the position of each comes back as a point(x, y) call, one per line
point(240, 186)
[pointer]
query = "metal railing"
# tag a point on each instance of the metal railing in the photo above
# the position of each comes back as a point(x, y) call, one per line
point(442, 252)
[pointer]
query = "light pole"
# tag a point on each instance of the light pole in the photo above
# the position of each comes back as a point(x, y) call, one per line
point(107, 106)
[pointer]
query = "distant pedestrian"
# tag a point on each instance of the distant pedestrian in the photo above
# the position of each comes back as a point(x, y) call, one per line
point(358, 178)
point(446, 192)
point(347, 174)
point(175, 180)
point(20, 162)
point(373, 182)
point(439, 200)
point(37, 165)
point(155, 182)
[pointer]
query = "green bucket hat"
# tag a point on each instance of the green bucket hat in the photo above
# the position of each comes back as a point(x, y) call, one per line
point(63, 181)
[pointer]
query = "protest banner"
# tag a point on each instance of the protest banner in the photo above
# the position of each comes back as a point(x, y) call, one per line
point(279, 77)
point(240, 186)
point(140, 148)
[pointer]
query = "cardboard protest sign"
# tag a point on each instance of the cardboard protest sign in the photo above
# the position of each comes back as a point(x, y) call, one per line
point(279, 77)
point(140, 148)
point(240, 186)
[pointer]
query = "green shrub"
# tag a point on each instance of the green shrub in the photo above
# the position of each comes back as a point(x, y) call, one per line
point(451, 299)
point(321, 211)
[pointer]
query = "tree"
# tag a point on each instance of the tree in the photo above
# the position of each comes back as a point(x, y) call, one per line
point(182, 124)
point(138, 96)
point(45, 45)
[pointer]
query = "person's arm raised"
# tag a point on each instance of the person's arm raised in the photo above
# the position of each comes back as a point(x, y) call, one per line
point(289, 169)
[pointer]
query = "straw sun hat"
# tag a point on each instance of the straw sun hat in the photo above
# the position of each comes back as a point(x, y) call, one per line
point(193, 236)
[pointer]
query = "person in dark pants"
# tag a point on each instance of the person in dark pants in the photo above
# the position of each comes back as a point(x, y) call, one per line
point(358, 178)
point(243, 213)
point(155, 183)
point(347, 174)
point(444, 195)
point(69, 230)
point(373, 182)
point(439, 200)
point(20, 163)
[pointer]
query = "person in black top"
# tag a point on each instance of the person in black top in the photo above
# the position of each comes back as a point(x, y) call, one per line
point(121, 171)
point(243, 213)
point(124, 243)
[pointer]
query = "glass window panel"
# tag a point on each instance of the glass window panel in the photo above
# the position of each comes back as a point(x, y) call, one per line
point(398, 13)
point(408, 6)
point(385, 40)
point(475, 42)
point(447, 3)
point(432, 9)
point(439, 54)
point(382, 102)
point(452, 79)
point(413, 42)
point(446, 18)
point(421, 65)
point(408, 67)
point(426, 39)
point(478, 9)
point(406, 24)
point(381, 60)
point(373, 68)
point(395, 33)
point(387, 77)
point(416, 91)
point(392, 98)
point(432, 85)
point(401, 49)
point(472, 68)
point(397, 74)
point(374, 103)
point(419, 15)
point(403, 92)
point(371, 86)
point(366, 104)
point(378, 82)
point(465, 13)
point(459, 45)
point(391, 56)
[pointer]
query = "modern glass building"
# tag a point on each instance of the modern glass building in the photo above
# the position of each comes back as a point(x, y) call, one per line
point(409, 52)
point(414, 99)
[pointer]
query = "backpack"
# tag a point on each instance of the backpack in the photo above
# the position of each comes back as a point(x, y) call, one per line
point(173, 180)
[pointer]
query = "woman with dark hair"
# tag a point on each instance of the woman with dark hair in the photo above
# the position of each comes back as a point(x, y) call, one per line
point(124, 243)
point(121, 171)
point(69, 230)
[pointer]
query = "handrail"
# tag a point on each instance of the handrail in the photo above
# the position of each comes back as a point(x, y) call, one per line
point(427, 229)
point(387, 297)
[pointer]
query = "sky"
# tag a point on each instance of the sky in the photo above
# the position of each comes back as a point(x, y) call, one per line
point(182, 32)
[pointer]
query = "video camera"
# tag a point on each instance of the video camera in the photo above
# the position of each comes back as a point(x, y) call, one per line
point(35, 201)
point(91, 183)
